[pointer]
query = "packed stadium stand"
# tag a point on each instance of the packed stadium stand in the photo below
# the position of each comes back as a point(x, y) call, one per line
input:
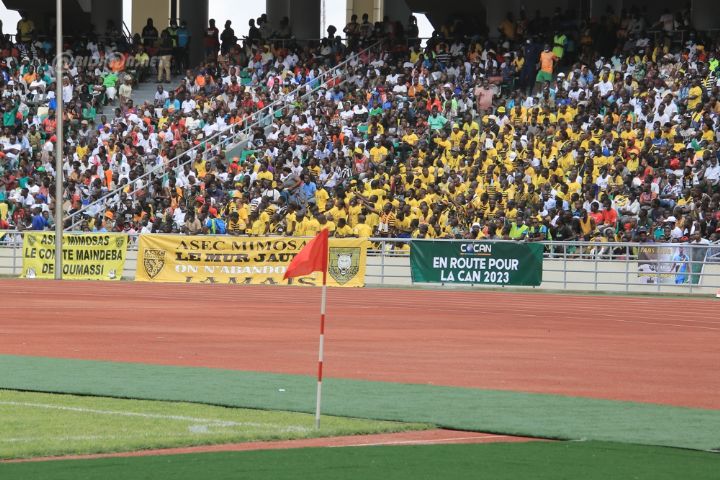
point(542, 127)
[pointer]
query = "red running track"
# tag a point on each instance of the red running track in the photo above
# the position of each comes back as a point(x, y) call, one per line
point(647, 349)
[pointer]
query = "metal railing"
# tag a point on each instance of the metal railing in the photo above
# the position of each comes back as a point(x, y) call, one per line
point(224, 137)
point(569, 266)
point(585, 266)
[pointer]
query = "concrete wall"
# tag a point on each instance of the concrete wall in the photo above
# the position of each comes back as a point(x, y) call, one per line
point(305, 19)
point(304, 16)
point(397, 10)
point(158, 10)
point(704, 15)
point(374, 9)
point(104, 10)
point(195, 13)
point(438, 12)
point(42, 13)
point(703, 11)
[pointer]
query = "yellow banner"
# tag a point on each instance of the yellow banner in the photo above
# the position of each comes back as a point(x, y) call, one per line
point(88, 256)
point(244, 260)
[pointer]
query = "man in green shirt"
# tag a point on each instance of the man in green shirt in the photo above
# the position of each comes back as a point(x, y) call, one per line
point(10, 113)
point(559, 43)
point(109, 82)
point(518, 229)
point(436, 121)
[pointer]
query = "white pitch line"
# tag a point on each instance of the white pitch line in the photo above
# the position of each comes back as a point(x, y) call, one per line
point(206, 421)
point(67, 438)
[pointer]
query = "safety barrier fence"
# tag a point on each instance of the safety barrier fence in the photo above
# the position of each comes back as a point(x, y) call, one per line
point(572, 266)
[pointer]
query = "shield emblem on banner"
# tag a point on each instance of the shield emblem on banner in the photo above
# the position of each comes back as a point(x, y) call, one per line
point(153, 261)
point(119, 241)
point(344, 263)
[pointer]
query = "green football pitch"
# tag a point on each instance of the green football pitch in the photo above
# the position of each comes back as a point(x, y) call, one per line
point(41, 424)
point(499, 461)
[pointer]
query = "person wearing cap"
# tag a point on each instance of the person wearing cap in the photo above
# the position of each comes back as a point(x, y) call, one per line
point(455, 136)
point(502, 118)
point(39, 221)
point(475, 232)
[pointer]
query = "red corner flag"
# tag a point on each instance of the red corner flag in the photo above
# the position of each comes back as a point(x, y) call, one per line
point(312, 258)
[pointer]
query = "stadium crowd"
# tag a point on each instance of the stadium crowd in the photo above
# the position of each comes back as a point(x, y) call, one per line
point(546, 128)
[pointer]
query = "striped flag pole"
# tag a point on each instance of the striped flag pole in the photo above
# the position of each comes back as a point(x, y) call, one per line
point(321, 350)
point(314, 258)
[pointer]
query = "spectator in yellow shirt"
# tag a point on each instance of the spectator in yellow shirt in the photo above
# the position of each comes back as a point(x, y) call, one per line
point(312, 227)
point(694, 95)
point(258, 227)
point(362, 229)
point(378, 154)
point(410, 138)
point(343, 230)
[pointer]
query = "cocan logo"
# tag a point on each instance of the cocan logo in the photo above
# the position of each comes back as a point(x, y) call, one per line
point(476, 248)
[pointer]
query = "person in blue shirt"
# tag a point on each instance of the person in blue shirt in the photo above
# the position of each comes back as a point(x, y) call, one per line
point(172, 102)
point(182, 52)
point(336, 94)
point(680, 267)
point(214, 224)
point(39, 222)
point(309, 188)
point(374, 101)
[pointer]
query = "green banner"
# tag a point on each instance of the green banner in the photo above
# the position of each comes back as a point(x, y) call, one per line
point(467, 262)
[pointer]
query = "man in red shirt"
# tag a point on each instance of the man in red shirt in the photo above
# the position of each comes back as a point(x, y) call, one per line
point(8, 181)
point(50, 123)
point(609, 215)
point(596, 214)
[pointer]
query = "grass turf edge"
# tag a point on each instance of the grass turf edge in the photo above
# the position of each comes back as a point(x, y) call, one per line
point(503, 412)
